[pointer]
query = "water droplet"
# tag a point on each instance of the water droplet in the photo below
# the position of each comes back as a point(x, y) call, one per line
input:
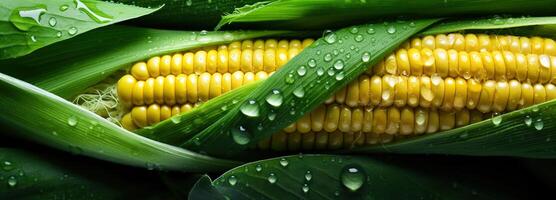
point(328, 57)
point(305, 188)
point(329, 36)
point(302, 70)
point(72, 121)
point(224, 108)
point(259, 168)
point(59, 34)
point(339, 65)
point(284, 162)
point(308, 175)
point(320, 72)
point(412, 24)
point(7, 166)
point(366, 57)
point(176, 119)
point(528, 120)
point(391, 30)
point(54, 133)
point(72, 31)
point(299, 92)
point(464, 135)
point(232, 180)
point(64, 7)
point(496, 20)
point(275, 98)
point(94, 13)
point(340, 76)
point(33, 38)
point(539, 125)
point(337, 193)
point(496, 119)
point(12, 181)
point(188, 2)
point(240, 135)
point(272, 178)
point(250, 108)
point(535, 109)
point(271, 116)
point(312, 63)
point(52, 21)
point(330, 72)
point(371, 31)
point(352, 178)
point(359, 38)
point(354, 30)
point(25, 18)
point(290, 78)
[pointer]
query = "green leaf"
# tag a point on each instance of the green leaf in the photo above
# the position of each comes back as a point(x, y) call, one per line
point(330, 63)
point(185, 14)
point(47, 174)
point(51, 120)
point(318, 14)
point(496, 22)
point(27, 25)
point(68, 68)
point(203, 189)
point(349, 177)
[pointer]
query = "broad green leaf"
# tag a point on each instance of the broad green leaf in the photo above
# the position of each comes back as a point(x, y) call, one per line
point(303, 83)
point(27, 25)
point(68, 68)
point(48, 119)
point(40, 174)
point(496, 22)
point(349, 177)
point(188, 14)
point(203, 189)
point(318, 14)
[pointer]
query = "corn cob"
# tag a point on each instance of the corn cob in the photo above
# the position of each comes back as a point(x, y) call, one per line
point(440, 75)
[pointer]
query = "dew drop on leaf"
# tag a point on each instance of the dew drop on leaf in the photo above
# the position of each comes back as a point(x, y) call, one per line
point(290, 78)
point(329, 36)
point(64, 7)
point(72, 121)
point(352, 178)
point(366, 57)
point(59, 34)
point(275, 98)
point(301, 71)
point(284, 162)
point(327, 57)
point(232, 180)
point(258, 168)
point(272, 178)
point(539, 125)
point(391, 30)
point(359, 38)
point(12, 181)
point(271, 116)
point(305, 188)
point(528, 120)
point(320, 72)
point(94, 14)
point(496, 119)
point(340, 76)
point(250, 108)
point(52, 21)
point(312, 63)
point(354, 30)
point(299, 92)
point(371, 31)
point(240, 135)
point(339, 65)
point(308, 176)
point(72, 31)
